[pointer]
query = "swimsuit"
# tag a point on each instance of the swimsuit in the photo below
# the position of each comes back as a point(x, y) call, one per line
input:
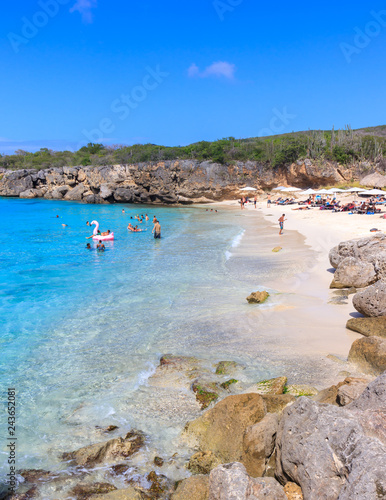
point(157, 235)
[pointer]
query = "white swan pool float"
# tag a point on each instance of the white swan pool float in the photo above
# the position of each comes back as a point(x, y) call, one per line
point(99, 237)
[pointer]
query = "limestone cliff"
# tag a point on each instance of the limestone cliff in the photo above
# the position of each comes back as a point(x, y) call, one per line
point(168, 182)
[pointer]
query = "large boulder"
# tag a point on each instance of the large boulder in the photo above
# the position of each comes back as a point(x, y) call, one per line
point(98, 453)
point(369, 327)
point(259, 444)
point(231, 482)
point(76, 194)
point(192, 488)
point(229, 417)
point(375, 180)
point(123, 194)
point(372, 300)
point(369, 353)
point(203, 462)
point(14, 183)
point(352, 272)
point(335, 453)
point(106, 191)
point(275, 403)
point(365, 249)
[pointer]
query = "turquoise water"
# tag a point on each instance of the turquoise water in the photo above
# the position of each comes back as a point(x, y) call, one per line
point(81, 330)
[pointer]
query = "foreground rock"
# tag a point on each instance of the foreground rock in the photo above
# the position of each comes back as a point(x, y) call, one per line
point(372, 300)
point(369, 327)
point(343, 393)
point(220, 430)
point(352, 272)
point(259, 445)
point(231, 482)
point(366, 249)
point(114, 449)
point(192, 488)
point(126, 494)
point(270, 386)
point(335, 453)
point(257, 297)
point(369, 354)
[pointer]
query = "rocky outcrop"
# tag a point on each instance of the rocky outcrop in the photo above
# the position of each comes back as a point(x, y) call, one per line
point(335, 453)
point(375, 180)
point(169, 182)
point(231, 482)
point(369, 354)
point(367, 249)
point(372, 300)
point(270, 386)
point(229, 417)
point(369, 327)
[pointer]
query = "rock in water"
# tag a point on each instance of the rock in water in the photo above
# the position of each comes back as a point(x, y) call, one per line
point(372, 300)
point(369, 327)
point(277, 249)
point(257, 297)
point(352, 272)
point(271, 386)
point(231, 482)
point(203, 462)
point(301, 390)
point(335, 453)
point(369, 353)
point(88, 456)
point(192, 488)
point(127, 494)
point(229, 417)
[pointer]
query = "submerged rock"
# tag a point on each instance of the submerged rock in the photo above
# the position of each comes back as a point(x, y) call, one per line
point(88, 456)
point(85, 491)
point(129, 493)
point(369, 353)
point(206, 392)
point(257, 297)
point(301, 390)
point(369, 327)
point(227, 367)
point(229, 417)
point(271, 386)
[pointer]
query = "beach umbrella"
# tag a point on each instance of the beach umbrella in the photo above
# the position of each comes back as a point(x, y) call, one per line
point(279, 188)
point(290, 189)
point(322, 191)
point(373, 192)
point(308, 191)
point(355, 190)
point(248, 188)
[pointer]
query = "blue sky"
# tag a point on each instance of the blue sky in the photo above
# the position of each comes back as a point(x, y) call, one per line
point(174, 72)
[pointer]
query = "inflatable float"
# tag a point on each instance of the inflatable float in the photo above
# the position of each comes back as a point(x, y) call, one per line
point(99, 237)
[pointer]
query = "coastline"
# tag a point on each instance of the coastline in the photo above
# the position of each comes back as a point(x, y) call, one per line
point(305, 315)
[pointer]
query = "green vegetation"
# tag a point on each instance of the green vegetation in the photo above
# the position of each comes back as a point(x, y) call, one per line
point(225, 385)
point(341, 146)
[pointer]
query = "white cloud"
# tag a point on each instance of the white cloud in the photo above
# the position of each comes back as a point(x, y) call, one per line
point(218, 69)
point(84, 8)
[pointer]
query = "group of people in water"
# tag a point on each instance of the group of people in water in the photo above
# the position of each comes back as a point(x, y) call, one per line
point(156, 231)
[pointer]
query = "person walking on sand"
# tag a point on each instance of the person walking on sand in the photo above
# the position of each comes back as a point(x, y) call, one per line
point(157, 229)
point(281, 223)
point(268, 200)
point(255, 201)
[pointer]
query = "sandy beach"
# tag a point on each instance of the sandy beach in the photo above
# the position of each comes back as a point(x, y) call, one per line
point(308, 316)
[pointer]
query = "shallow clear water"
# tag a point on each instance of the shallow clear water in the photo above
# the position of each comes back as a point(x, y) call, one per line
point(81, 331)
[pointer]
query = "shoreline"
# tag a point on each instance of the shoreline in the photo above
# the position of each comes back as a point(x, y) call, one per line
point(314, 325)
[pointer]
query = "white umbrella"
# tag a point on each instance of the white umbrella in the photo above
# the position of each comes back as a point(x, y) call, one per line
point(322, 191)
point(248, 188)
point(279, 188)
point(309, 191)
point(355, 190)
point(290, 189)
point(373, 192)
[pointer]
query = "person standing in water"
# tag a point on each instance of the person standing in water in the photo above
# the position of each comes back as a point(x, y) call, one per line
point(281, 223)
point(157, 229)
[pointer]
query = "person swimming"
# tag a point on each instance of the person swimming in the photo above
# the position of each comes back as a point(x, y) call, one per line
point(88, 246)
point(100, 246)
